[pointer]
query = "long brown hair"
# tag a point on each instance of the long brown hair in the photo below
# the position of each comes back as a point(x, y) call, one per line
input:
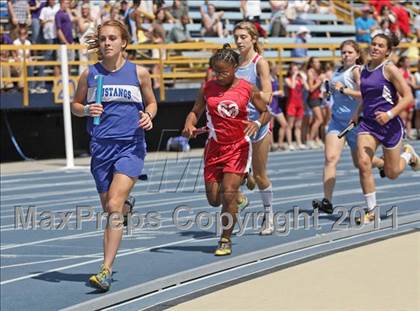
point(252, 31)
point(361, 59)
point(92, 40)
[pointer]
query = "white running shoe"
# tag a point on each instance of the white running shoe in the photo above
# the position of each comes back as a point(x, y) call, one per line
point(415, 159)
point(267, 227)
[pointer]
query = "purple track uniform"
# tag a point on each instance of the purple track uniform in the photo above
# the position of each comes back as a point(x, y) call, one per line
point(379, 94)
point(275, 105)
point(117, 143)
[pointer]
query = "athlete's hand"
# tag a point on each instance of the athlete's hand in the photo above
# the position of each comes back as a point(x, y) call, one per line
point(355, 118)
point(145, 121)
point(95, 110)
point(189, 131)
point(337, 85)
point(381, 117)
point(251, 128)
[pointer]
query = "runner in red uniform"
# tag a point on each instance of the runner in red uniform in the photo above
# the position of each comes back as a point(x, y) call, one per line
point(227, 154)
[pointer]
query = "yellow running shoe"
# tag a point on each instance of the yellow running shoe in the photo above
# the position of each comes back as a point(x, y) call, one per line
point(243, 202)
point(224, 248)
point(367, 218)
point(102, 280)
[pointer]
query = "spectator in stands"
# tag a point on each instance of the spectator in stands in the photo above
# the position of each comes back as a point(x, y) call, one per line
point(276, 110)
point(417, 27)
point(296, 82)
point(179, 8)
point(407, 114)
point(124, 9)
point(387, 15)
point(365, 25)
point(86, 26)
point(35, 7)
point(316, 7)
point(378, 6)
point(5, 71)
point(34, 86)
point(403, 19)
point(179, 32)
point(19, 15)
point(95, 10)
point(64, 27)
point(211, 21)
point(300, 8)
point(251, 9)
point(157, 35)
point(301, 38)
point(279, 21)
point(147, 11)
point(315, 80)
point(141, 17)
point(114, 14)
point(49, 33)
point(417, 107)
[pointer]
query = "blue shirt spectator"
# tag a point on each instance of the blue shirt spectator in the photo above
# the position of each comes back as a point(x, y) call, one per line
point(364, 26)
point(301, 36)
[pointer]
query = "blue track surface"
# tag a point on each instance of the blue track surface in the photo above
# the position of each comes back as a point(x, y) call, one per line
point(48, 269)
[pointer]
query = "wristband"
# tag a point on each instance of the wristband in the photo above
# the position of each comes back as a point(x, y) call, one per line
point(258, 123)
point(86, 110)
point(390, 114)
point(149, 114)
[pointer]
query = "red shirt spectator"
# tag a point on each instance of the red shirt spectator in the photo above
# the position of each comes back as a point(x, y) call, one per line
point(403, 19)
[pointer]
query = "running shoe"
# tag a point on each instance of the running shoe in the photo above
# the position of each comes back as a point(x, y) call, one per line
point(130, 204)
point(102, 280)
point(325, 205)
point(267, 227)
point(224, 248)
point(367, 218)
point(243, 203)
point(415, 159)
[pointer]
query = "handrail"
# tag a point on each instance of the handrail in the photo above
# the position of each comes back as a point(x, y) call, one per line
point(178, 66)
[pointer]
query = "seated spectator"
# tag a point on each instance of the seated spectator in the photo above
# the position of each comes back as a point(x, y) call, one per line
point(179, 32)
point(251, 9)
point(301, 38)
point(279, 21)
point(300, 7)
point(378, 6)
point(211, 21)
point(178, 9)
point(365, 25)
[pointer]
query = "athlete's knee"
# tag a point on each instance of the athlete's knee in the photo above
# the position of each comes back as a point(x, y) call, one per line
point(390, 172)
point(365, 163)
point(230, 193)
point(331, 159)
point(114, 205)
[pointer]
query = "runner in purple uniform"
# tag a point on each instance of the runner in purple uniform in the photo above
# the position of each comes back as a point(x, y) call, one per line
point(380, 84)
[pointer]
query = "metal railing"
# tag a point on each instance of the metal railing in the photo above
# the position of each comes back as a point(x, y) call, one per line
point(173, 65)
